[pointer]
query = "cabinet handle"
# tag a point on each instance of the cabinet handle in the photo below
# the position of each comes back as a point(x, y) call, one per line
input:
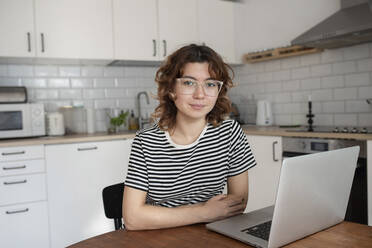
point(165, 47)
point(28, 42)
point(13, 153)
point(154, 47)
point(87, 148)
point(42, 42)
point(17, 211)
point(274, 158)
point(15, 167)
point(15, 182)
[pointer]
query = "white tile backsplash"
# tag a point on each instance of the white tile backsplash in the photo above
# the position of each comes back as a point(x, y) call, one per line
point(92, 71)
point(301, 73)
point(356, 52)
point(20, 71)
point(338, 80)
point(69, 71)
point(357, 79)
point(344, 67)
point(59, 83)
point(321, 70)
point(3, 70)
point(46, 70)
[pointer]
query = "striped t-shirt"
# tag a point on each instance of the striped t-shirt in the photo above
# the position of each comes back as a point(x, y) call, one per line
point(174, 175)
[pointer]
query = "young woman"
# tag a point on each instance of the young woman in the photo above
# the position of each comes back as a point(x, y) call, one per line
point(179, 167)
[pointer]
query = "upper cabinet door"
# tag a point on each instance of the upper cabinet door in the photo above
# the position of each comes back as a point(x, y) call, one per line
point(17, 28)
point(216, 27)
point(178, 25)
point(77, 29)
point(135, 30)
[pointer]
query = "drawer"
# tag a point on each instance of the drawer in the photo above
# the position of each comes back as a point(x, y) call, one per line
point(19, 189)
point(24, 225)
point(21, 153)
point(22, 167)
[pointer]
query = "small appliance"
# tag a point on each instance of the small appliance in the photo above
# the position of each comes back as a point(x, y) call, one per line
point(55, 124)
point(22, 120)
point(264, 113)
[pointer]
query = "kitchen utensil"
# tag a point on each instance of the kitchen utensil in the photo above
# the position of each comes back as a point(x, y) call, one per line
point(91, 119)
point(75, 119)
point(55, 124)
point(264, 113)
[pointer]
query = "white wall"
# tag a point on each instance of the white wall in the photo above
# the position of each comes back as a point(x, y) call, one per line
point(265, 24)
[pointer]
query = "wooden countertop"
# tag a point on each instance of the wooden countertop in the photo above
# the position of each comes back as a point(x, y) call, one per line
point(103, 136)
point(66, 139)
point(292, 132)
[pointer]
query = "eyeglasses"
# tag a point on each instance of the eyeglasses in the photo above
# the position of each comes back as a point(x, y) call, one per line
point(188, 86)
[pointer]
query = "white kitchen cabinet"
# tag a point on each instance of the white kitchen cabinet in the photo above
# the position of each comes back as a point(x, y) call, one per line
point(369, 181)
point(264, 177)
point(74, 29)
point(24, 225)
point(216, 27)
point(23, 207)
point(135, 30)
point(17, 28)
point(150, 30)
point(76, 175)
point(178, 25)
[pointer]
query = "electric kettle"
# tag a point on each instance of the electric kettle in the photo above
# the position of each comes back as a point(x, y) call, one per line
point(264, 113)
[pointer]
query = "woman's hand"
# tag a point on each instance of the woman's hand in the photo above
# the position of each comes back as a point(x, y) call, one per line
point(223, 206)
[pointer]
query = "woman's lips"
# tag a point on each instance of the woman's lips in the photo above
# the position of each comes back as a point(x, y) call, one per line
point(197, 106)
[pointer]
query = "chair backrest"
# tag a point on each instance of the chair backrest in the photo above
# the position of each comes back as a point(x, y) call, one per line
point(112, 202)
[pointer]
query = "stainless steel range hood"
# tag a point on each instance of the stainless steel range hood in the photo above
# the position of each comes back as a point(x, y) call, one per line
point(350, 26)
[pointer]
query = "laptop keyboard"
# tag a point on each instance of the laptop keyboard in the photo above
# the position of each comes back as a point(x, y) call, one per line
point(261, 231)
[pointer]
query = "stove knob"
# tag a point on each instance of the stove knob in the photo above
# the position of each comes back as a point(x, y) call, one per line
point(354, 130)
point(345, 130)
point(336, 130)
point(364, 130)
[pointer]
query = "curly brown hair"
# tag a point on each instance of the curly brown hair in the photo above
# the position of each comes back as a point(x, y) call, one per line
point(172, 68)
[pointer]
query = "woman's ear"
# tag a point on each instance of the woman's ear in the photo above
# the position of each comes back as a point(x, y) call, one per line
point(172, 96)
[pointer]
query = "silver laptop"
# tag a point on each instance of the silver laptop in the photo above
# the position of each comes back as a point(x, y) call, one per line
point(312, 195)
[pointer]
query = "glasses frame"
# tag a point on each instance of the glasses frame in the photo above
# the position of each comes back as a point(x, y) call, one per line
point(217, 81)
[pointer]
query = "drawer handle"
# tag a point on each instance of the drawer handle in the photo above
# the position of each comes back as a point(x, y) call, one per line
point(13, 153)
point(15, 167)
point(15, 182)
point(274, 158)
point(87, 148)
point(17, 211)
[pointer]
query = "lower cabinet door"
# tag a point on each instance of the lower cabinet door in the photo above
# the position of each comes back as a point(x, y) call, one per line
point(24, 225)
point(76, 175)
point(264, 177)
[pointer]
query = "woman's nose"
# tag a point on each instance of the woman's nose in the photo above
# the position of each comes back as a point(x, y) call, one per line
point(199, 91)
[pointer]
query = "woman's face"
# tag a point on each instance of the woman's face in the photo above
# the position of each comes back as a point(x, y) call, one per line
point(195, 105)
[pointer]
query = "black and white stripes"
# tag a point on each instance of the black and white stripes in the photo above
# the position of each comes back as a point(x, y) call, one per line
point(174, 175)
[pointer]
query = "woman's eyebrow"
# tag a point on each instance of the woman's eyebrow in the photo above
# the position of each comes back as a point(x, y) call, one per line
point(196, 79)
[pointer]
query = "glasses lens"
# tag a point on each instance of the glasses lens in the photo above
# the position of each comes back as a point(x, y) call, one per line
point(187, 86)
point(212, 87)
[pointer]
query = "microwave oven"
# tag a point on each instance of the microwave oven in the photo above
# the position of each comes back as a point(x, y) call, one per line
point(22, 120)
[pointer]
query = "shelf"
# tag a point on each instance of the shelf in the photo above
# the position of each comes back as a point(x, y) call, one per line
point(279, 53)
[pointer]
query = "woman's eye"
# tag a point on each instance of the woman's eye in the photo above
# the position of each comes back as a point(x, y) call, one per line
point(188, 83)
point(211, 84)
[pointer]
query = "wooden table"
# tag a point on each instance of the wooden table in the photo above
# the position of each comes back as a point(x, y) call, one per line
point(345, 234)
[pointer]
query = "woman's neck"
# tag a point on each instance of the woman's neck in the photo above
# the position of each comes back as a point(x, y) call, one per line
point(187, 130)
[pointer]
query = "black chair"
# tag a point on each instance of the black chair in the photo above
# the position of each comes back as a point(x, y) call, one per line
point(112, 202)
